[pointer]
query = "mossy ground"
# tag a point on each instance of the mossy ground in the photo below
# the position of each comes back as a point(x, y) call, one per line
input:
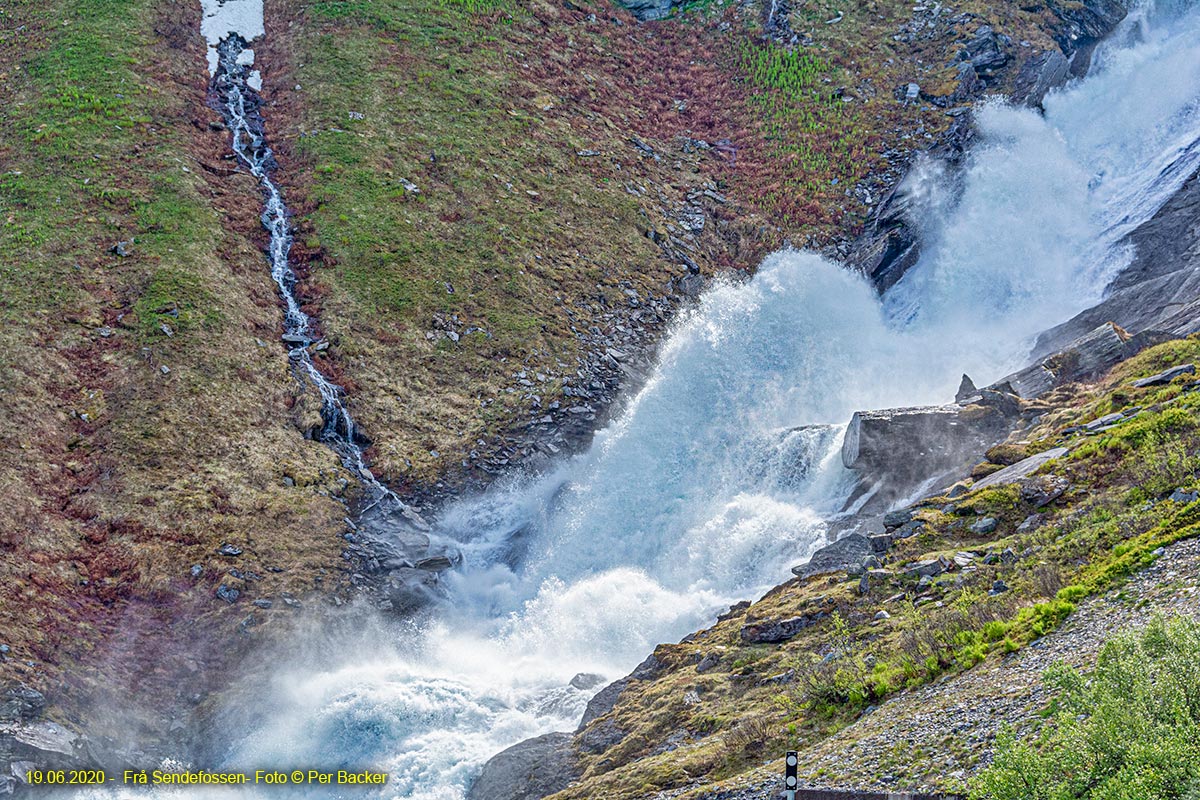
point(762, 699)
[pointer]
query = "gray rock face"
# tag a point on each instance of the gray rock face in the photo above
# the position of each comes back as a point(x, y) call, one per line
point(1039, 74)
point(1160, 289)
point(1084, 357)
point(966, 389)
point(529, 770)
point(601, 736)
point(1085, 23)
point(985, 51)
point(650, 9)
point(848, 552)
point(603, 702)
point(1021, 469)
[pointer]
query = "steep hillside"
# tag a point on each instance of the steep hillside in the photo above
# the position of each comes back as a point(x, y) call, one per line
point(148, 415)
point(503, 203)
point(967, 580)
point(500, 206)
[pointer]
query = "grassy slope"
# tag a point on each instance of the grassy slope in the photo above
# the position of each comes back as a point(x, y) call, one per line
point(484, 107)
point(762, 699)
point(116, 477)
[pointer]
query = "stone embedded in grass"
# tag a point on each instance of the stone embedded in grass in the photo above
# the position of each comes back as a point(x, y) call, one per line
point(1181, 495)
point(228, 593)
point(229, 550)
point(1166, 376)
point(985, 525)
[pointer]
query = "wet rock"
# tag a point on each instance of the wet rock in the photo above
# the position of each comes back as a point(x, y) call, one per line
point(1038, 75)
point(586, 680)
point(438, 563)
point(901, 448)
point(894, 519)
point(1166, 376)
point(1084, 357)
point(529, 770)
point(228, 593)
point(909, 529)
point(846, 553)
point(769, 631)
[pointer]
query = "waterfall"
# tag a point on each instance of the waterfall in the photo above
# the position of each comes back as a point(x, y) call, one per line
point(723, 471)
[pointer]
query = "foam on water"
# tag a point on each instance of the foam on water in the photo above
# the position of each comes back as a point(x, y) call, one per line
point(721, 472)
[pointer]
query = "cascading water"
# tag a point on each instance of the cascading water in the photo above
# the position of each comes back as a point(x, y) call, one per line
point(240, 107)
point(723, 469)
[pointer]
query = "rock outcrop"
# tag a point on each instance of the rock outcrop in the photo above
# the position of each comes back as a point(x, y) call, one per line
point(529, 770)
point(1160, 288)
point(1085, 357)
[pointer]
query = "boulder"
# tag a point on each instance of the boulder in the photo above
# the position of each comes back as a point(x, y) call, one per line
point(900, 446)
point(846, 553)
point(769, 631)
point(529, 770)
point(927, 568)
point(985, 525)
point(1184, 496)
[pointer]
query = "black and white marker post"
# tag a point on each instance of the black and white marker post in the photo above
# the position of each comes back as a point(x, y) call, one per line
point(790, 762)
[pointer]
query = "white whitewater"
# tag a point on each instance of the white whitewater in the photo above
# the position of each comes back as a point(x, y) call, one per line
point(720, 473)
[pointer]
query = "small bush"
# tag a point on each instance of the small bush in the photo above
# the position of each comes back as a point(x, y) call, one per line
point(1128, 731)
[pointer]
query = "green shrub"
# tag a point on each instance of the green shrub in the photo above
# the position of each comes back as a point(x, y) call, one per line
point(1128, 731)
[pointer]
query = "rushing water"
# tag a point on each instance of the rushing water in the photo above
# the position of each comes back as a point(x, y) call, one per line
point(724, 468)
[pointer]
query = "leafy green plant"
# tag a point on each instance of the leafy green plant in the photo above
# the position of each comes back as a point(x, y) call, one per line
point(1130, 730)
